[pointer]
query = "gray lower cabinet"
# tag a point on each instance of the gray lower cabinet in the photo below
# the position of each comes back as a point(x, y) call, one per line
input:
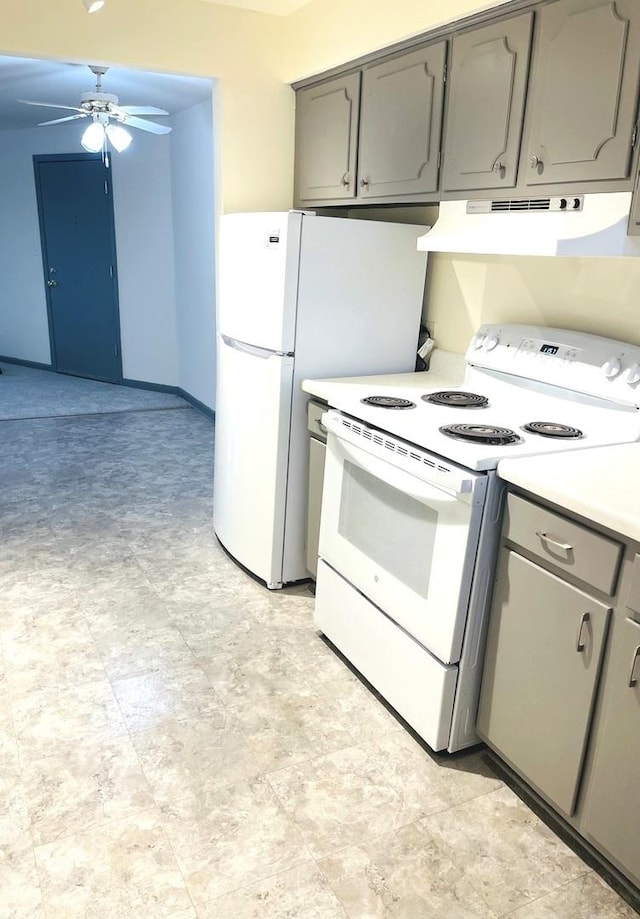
point(401, 124)
point(485, 107)
point(583, 92)
point(611, 810)
point(544, 651)
point(317, 456)
point(560, 697)
point(326, 139)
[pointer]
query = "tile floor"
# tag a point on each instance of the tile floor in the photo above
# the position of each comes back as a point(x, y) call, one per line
point(175, 741)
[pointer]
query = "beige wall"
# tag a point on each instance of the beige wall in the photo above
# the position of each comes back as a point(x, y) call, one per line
point(254, 123)
point(595, 295)
point(254, 56)
point(329, 32)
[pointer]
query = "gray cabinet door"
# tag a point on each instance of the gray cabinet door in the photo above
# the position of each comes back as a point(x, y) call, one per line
point(611, 812)
point(485, 108)
point(401, 124)
point(584, 91)
point(326, 139)
point(317, 456)
point(542, 662)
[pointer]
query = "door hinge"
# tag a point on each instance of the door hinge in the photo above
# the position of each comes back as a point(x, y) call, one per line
point(445, 73)
point(106, 187)
point(115, 348)
point(111, 271)
point(634, 136)
point(439, 158)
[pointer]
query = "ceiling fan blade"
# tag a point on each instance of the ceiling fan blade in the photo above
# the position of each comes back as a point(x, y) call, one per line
point(71, 108)
point(60, 120)
point(142, 110)
point(149, 126)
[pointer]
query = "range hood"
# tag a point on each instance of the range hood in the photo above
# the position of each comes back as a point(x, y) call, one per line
point(580, 225)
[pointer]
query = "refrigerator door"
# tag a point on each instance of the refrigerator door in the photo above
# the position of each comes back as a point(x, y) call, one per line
point(258, 285)
point(253, 415)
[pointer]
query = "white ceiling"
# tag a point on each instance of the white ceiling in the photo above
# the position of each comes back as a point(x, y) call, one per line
point(54, 81)
point(276, 7)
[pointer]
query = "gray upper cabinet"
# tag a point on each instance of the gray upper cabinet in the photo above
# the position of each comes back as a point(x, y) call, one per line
point(401, 124)
point(485, 108)
point(584, 92)
point(611, 817)
point(326, 139)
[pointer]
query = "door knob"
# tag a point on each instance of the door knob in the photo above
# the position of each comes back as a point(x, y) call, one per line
point(52, 283)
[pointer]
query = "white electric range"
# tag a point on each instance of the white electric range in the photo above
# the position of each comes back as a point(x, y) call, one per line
point(412, 506)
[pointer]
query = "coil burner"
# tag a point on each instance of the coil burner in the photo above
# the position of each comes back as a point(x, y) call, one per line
point(456, 399)
point(552, 429)
point(481, 434)
point(388, 402)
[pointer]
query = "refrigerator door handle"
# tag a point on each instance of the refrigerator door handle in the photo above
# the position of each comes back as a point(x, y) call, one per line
point(254, 350)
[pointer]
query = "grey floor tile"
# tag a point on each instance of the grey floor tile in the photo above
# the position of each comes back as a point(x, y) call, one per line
point(230, 837)
point(124, 868)
point(174, 736)
point(588, 897)
point(404, 875)
point(339, 799)
point(302, 892)
point(505, 851)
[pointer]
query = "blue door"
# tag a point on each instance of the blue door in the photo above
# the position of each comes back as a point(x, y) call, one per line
point(78, 248)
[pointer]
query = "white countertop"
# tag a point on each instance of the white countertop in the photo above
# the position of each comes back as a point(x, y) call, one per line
point(602, 484)
point(446, 370)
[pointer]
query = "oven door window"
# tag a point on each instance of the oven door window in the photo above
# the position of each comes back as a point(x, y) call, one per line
point(406, 544)
point(369, 507)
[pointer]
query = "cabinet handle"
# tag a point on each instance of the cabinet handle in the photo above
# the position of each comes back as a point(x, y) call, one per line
point(364, 183)
point(535, 161)
point(583, 621)
point(322, 427)
point(498, 166)
point(346, 181)
point(633, 680)
point(565, 546)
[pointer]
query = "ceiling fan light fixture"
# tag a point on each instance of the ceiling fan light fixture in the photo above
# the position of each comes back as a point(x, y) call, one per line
point(118, 136)
point(93, 138)
point(92, 6)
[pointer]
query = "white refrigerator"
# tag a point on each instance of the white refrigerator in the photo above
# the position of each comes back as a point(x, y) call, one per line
point(299, 296)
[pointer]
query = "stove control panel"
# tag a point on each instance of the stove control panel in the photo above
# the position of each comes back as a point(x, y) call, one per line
point(589, 364)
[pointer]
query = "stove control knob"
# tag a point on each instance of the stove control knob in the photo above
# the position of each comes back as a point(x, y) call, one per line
point(612, 368)
point(633, 374)
point(491, 342)
point(478, 340)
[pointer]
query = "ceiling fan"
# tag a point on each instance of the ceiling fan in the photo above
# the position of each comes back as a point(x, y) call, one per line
point(107, 117)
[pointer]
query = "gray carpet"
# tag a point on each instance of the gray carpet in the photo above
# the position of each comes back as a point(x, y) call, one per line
point(29, 393)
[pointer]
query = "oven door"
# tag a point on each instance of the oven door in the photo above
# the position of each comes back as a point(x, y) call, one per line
point(406, 543)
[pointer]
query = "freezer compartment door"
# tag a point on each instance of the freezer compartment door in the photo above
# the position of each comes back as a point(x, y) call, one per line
point(253, 416)
point(259, 255)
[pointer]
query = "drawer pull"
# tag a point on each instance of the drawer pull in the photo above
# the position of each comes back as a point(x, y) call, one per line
point(583, 621)
point(633, 680)
point(322, 427)
point(565, 546)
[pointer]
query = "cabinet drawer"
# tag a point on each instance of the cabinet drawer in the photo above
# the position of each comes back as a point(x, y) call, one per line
point(573, 548)
point(315, 411)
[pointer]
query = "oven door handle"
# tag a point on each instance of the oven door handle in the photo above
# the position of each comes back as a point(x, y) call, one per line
point(402, 479)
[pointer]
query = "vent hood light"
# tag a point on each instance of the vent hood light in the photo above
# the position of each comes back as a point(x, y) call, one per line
point(536, 226)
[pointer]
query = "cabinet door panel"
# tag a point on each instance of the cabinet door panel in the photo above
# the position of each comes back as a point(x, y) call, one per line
point(584, 91)
point(486, 105)
point(612, 804)
point(326, 139)
point(401, 124)
point(543, 659)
